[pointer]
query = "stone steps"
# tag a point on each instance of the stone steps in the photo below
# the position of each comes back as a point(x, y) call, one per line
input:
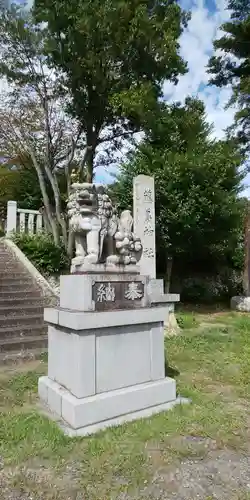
point(9, 320)
point(18, 310)
point(20, 301)
point(23, 333)
point(17, 293)
point(5, 274)
point(20, 344)
point(6, 285)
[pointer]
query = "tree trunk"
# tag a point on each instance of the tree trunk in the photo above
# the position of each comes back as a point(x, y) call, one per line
point(51, 219)
point(169, 268)
point(57, 198)
point(90, 167)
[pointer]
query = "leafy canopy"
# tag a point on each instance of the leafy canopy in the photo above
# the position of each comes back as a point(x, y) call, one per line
point(114, 55)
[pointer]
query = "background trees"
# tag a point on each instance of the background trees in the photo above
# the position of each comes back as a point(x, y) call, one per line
point(86, 80)
point(197, 181)
point(114, 56)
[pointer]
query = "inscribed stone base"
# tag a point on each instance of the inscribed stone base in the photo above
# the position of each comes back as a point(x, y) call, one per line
point(89, 415)
point(103, 291)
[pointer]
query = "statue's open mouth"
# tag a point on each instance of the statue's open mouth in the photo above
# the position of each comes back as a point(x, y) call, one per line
point(86, 205)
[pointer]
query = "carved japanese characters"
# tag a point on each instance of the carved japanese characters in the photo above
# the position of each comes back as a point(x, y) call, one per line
point(144, 222)
point(100, 236)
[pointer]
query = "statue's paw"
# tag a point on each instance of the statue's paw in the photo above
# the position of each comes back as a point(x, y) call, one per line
point(91, 258)
point(127, 260)
point(112, 259)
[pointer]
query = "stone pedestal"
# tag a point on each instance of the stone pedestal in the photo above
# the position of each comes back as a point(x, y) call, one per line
point(105, 367)
point(160, 299)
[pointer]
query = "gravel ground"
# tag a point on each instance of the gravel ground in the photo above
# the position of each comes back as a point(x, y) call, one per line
point(222, 475)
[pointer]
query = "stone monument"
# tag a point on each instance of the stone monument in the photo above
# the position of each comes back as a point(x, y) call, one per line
point(105, 340)
point(144, 222)
point(144, 226)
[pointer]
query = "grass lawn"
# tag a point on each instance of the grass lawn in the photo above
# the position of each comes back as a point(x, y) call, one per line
point(201, 450)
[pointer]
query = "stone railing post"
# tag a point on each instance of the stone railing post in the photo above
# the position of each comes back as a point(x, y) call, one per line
point(11, 217)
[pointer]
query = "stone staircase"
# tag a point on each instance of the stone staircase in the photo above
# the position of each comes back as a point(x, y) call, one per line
point(23, 333)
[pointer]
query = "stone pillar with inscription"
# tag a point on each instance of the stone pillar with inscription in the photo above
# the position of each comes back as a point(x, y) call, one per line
point(144, 226)
point(106, 360)
point(144, 222)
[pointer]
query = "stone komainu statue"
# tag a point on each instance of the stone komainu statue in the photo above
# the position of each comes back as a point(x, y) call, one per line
point(101, 237)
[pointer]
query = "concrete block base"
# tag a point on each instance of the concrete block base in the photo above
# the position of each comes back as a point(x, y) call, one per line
point(105, 367)
point(240, 303)
point(88, 415)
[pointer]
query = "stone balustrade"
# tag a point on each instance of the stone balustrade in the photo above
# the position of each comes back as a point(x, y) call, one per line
point(23, 220)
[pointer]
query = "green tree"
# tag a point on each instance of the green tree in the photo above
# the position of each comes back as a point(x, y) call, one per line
point(197, 181)
point(114, 55)
point(233, 66)
point(26, 190)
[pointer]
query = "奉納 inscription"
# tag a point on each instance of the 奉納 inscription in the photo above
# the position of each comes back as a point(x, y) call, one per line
point(105, 293)
point(117, 295)
point(133, 291)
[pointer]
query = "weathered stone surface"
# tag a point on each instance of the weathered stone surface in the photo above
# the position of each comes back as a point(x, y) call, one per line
point(103, 292)
point(144, 222)
point(106, 368)
point(156, 287)
point(117, 295)
point(171, 326)
point(89, 415)
point(240, 303)
point(100, 236)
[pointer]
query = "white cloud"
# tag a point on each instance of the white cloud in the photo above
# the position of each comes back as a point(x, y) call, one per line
point(196, 48)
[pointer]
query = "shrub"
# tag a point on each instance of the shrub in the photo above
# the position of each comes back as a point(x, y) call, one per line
point(208, 289)
point(48, 258)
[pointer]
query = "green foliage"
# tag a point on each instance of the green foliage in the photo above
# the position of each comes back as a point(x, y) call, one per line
point(28, 192)
point(115, 56)
point(197, 180)
point(8, 182)
point(210, 289)
point(20, 184)
point(233, 66)
point(187, 321)
point(48, 258)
